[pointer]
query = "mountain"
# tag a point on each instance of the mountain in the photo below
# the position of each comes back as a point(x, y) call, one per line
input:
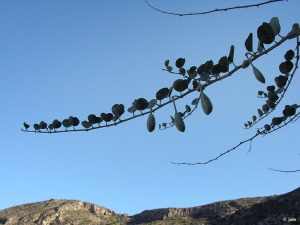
point(271, 210)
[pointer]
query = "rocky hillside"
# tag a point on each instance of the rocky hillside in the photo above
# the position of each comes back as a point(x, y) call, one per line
point(272, 210)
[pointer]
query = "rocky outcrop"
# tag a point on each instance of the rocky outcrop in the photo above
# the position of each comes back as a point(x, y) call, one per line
point(273, 210)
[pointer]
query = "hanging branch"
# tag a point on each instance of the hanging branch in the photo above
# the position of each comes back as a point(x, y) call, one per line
point(222, 154)
point(214, 10)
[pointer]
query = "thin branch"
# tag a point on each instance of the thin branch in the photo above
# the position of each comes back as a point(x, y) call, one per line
point(214, 10)
point(222, 154)
point(285, 171)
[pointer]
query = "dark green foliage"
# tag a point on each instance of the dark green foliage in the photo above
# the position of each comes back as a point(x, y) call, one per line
point(277, 121)
point(180, 62)
point(107, 117)
point(162, 93)
point(56, 124)
point(26, 125)
point(231, 54)
point(66, 123)
point(43, 125)
point(289, 111)
point(280, 81)
point(118, 110)
point(249, 43)
point(140, 104)
point(271, 88)
point(224, 64)
point(86, 124)
point(180, 85)
point(36, 126)
point(265, 33)
point(289, 55)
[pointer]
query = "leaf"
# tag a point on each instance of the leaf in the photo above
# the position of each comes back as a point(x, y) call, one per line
point(43, 125)
point(56, 124)
point(74, 121)
point(36, 126)
point(206, 104)
point(86, 124)
point(167, 62)
point(66, 123)
point(131, 109)
point(188, 108)
point(180, 62)
point(169, 68)
point(140, 104)
point(204, 76)
point(179, 123)
point(118, 110)
point(274, 22)
point(249, 43)
point(260, 47)
point(180, 85)
point(259, 76)
point(152, 103)
point(151, 122)
point(107, 117)
point(231, 54)
point(254, 118)
point(265, 33)
point(295, 30)
point(162, 93)
point(224, 64)
point(195, 101)
point(92, 118)
point(182, 71)
point(26, 125)
point(260, 112)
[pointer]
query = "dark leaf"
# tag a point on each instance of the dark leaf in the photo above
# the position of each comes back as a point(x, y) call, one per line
point(36, 126)
point(224, 64)
point(86, 124)
point(151, 122)
point(280, 81)
point(162, 93)
point(249, 43)
point(289, 55)
point(180, 85)
point(180, 62)
point(66, 123)
point(26, 125)
point(140, 104)
point(231, 54)
point(118, 110)
point(265, 33)
point(56, 124)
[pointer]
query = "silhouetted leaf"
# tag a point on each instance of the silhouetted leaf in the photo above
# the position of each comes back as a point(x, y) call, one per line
point(131, 109)
point(265, 33)
point(162, 93)
point(74, 121)
point(66, 123)
point(180, 85)
point(295, 30)
point(167, 62)
point(231, 54)
point(26, 125)
point(249, 43)
point(259, 76)
point(289, 55)
point(140, 104)
point(274, 23)
point(260, 112)
point(224, 63)
point(107, 117)
point(36, 126)
point(180, 62)
point(179, 123)
point(206, 104)
point(195, 101)
point(56, 124)
point(92, 118)
point(169, 68)
point(86, 124)
point(151, 122)
point(118, 110)
point(280, 81)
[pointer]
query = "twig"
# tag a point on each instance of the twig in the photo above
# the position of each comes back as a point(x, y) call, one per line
point(222, 154)
point(214, 10)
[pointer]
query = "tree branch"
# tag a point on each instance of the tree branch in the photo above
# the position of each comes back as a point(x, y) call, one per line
point(214, 10)
point(285, 171)
point(222, 154)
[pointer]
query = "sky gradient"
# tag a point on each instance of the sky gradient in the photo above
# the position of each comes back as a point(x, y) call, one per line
point(62, 58)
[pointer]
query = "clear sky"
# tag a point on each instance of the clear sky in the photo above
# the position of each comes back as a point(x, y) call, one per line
point(62, 58)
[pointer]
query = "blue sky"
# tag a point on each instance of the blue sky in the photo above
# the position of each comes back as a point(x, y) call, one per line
point(62, 58)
